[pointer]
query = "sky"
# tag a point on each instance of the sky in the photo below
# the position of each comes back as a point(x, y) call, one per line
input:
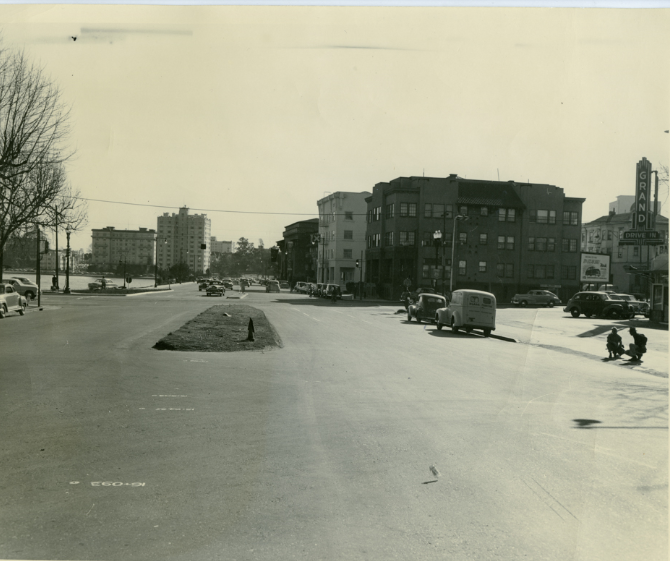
point(264, 110)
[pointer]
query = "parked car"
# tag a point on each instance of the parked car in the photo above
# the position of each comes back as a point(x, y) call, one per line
point(328, 291)
point(215, 290)
point(25, 287)
point(284, 284)
point(536, 298)
point(414, 295)
point(97, 284)
point(425, 307)
point(227, 284)
point(300, 287)
point(272, 286)
point(638, 306)
point(602, 304)
point(11, 301)
point(469, 309)
point(203, 285)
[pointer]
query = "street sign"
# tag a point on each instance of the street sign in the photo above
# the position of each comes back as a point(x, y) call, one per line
point(642, 203)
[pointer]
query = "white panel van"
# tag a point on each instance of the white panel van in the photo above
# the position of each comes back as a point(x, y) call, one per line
point(469, 309)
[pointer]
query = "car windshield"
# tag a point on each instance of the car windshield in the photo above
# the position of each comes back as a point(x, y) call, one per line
point(434, 300)
point(23, 280)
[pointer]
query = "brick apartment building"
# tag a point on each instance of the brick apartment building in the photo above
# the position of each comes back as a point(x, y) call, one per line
point(110, 246)
point(510, 237)
point(297, 258)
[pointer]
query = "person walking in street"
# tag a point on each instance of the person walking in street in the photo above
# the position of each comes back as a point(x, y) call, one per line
point(614, 344)
point(336, 290)
point(639, 347)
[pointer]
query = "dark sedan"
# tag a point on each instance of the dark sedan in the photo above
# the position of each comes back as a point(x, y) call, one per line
point(425, 307)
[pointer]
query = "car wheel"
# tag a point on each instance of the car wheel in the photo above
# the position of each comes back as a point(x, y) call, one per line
point(468, 329)
point(551, 304)
point(524, 303)
point(30, 295)
point(574, 312)
point(22, 309)
point(439, 326)
point(3, 311)
point(409, 317)
point(614, 314)
point(453, 325)
point(487, 333)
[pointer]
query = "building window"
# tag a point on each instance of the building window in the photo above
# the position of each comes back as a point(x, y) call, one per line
point(463, 238)
point(506, 215)
point(541, 244)
point(438, 211)
point(449, 211)
point(551, 244)
point(568, 245)
point(378, 213)
point(501, 242)
point(636, 251)
point(500, 270)
point(502, 214)
point(406, 238)
point(573, 246)
point(570, 218)
point(484, 211)
point(348, 215)
point(348, 234)
point(332, 236)
point(463, 211)
point(482, 266)
point(510, 242)
point(348, 253)
point(511, 215)
point(509, 270)
point(542, 216)
point(388, 238)
point(552, 217)
point(428, 211)
point(550, 271)
point(462, 268)
point(609, 235)
point(404, 210)
point(531, 244)
point(483, 239)
point(412, 209)
point(390, 210)
point(569, 272)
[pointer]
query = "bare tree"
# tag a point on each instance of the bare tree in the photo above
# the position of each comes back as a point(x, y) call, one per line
point(33, 120)
point(33, 128)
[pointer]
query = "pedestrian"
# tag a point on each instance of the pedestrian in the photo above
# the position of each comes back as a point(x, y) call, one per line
point(614, 344)
point(103, 283)
point(336, 290)
point(639, 347)
point(54, 282)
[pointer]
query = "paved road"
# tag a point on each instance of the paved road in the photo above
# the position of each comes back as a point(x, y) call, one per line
point(321, 449)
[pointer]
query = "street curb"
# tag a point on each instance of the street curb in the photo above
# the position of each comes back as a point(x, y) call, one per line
point(149, 292)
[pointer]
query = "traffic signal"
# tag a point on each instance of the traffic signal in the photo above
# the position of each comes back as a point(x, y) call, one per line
point(358, 263)
point(274, 253)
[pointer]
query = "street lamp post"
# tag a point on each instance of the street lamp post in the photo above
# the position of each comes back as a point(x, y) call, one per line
point(124, 270)
point(68, 231)
point(437, 239)
point(453, 251)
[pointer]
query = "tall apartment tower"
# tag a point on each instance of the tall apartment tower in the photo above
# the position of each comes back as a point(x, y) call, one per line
point(180, 239)
point(342, 227)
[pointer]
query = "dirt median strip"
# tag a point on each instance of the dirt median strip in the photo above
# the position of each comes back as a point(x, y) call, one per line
point(223, 328)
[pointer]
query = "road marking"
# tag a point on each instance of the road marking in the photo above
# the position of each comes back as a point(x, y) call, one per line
point(176, 409)
point(166, 395)
point(115, 484)
point(310, 317)
point(74, 482)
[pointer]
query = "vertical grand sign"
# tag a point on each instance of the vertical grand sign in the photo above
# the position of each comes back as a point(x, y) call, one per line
point(642, 204)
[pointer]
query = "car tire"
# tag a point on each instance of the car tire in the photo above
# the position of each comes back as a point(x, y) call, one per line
point(613, 314)
point(22, 309)
point(3, 311)
point(523, 303)
point(30, 295)
point(409, 317)
point(487, 332)
point(454, 329)
point(439, 326)
point(574, 312)
point(551, 304)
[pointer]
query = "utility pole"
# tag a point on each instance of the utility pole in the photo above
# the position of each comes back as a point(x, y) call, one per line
point(38, 269)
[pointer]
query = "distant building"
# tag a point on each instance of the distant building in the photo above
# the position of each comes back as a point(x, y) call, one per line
point(342, 227)
point(110, 247)
point(181, 237)
point(297, 251)
point(513, 237)
point(220, 246)
point(602, 235)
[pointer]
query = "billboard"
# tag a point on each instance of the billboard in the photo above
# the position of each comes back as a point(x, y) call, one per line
point(594, 267)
